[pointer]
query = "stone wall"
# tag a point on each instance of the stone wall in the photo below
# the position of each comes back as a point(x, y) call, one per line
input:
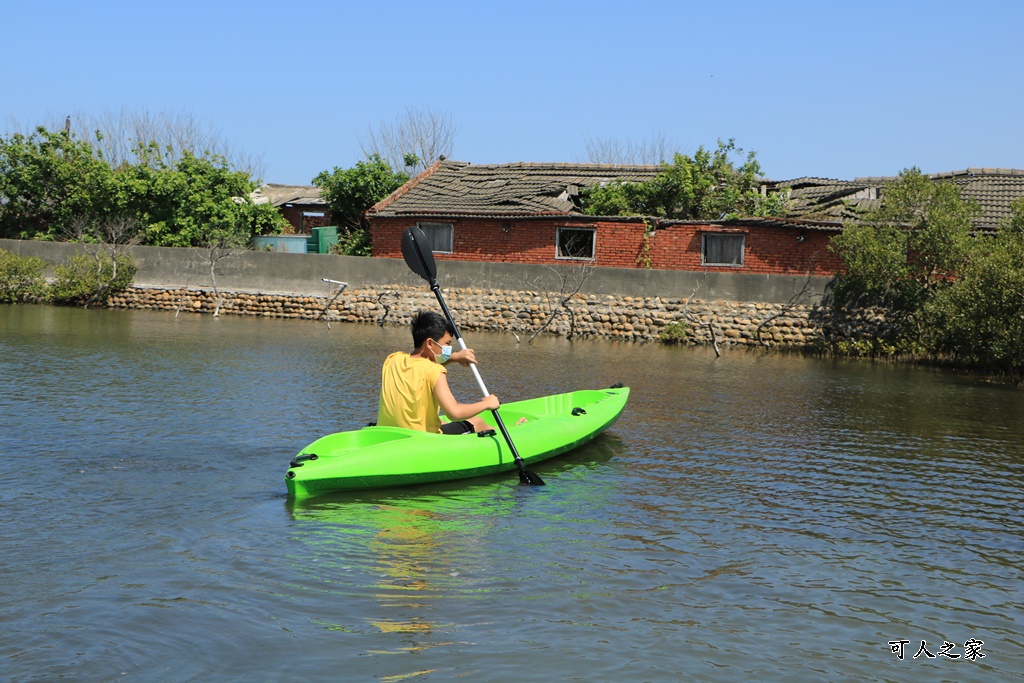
point(526, 313)
point(634, 304)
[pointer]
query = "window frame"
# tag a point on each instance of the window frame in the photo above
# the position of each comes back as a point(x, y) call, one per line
point(432, 226)
point(741, 236)
point(558, 244)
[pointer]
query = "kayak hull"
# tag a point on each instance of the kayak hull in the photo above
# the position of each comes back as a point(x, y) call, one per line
point(381, 457)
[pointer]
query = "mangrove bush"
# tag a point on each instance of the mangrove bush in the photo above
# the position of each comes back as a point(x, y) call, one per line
point(951, 293)
point(21, 278)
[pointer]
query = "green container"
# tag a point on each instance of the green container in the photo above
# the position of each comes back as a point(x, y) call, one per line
point(322, 240)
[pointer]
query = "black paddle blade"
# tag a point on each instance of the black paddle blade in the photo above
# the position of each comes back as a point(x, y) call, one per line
point(418, 254)
point(528, 477)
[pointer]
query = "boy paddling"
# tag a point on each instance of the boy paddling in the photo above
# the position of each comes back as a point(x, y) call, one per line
point(414, 387)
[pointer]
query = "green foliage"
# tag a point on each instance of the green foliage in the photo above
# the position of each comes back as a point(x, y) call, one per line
point(350, 192)
point(410, 160)
point(707, 186)
point(867, 347)
point(21, 278)
point(50, 180)
point(46, 180)
point(978, 320)
point(192, 201)
point(876, 269)
point(674, 333)
point(354, 243)
point(89, 278)
point(1015, 223)
point(953, 295)
point(912, 246)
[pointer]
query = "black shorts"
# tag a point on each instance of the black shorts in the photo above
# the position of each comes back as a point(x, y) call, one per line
point(464, 427)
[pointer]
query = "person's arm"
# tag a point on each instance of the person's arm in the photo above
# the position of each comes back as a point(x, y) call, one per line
point(460, 411)
point(463, 356)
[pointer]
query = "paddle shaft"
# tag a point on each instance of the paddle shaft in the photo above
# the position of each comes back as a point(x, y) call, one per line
point(472, 366)
point(418, 256)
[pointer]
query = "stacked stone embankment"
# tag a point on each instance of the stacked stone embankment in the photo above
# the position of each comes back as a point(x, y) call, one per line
point(527, 313)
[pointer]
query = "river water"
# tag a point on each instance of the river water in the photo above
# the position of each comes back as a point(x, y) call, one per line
point(751, 517)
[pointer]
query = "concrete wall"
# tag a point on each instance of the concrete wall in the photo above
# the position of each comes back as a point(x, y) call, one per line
point(301, 274)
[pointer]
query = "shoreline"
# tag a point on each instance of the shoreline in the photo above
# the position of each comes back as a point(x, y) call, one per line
point(530, 313)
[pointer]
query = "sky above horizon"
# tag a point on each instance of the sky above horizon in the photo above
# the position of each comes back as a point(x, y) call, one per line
point(827, 89)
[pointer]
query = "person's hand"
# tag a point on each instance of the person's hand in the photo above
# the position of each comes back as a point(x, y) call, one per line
point(492, 402)
point(463, 356)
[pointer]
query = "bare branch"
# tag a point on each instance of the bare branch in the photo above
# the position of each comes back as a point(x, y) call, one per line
point(798, 299)
point(323, 313)
point(693, 320)
point(566, 293)
point(650, 151)
point(117, 134)
point(191, 265)
point(416, 139)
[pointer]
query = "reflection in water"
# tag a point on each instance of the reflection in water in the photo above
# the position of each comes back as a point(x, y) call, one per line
point(422, 562)
point(755, 516)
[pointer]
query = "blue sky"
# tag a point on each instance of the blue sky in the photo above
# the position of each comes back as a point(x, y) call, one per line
point(819, 88)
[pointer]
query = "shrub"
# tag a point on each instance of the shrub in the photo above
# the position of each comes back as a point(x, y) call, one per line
point(21, 278)
point(85, 279)
point(354, 243)
point(674, 333)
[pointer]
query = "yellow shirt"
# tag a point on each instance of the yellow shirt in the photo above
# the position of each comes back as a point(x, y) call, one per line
point(407, 393)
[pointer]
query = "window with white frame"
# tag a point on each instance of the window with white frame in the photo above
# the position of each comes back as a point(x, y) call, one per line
point(575, 243)
point(440, 236)
point(722, 249)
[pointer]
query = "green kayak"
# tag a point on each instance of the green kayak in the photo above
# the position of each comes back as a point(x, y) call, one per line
point(377, 457)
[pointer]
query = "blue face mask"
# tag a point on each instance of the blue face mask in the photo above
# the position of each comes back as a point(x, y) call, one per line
point(445, 355)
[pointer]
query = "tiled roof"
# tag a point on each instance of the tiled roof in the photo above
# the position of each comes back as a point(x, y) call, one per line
point(457, 188)
point(993, 189)
point(461, 189)
point(824, 199)
point(279, 195)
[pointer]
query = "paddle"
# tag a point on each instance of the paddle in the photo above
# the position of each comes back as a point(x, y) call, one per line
point(420, 258)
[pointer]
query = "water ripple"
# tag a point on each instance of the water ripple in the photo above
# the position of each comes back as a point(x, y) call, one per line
point(749, 517)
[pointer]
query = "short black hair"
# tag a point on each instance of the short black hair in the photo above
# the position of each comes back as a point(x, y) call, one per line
point(429, 325)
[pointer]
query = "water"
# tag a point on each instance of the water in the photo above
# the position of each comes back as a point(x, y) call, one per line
point(751, 517)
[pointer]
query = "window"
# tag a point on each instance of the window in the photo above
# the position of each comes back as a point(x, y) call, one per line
point(440, 236)
point(721, 249)
point(575, 243)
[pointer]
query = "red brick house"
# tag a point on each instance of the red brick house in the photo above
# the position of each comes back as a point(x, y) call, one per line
point(529, 213)
point(301, 205)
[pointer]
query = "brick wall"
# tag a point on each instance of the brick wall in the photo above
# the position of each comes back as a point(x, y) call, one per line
point(301, 225)
point(622, 244)
point(771, 250)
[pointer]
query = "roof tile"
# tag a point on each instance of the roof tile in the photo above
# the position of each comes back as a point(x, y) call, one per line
point(455, 188)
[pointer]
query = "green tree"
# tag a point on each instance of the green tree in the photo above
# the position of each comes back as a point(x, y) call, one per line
point(46, 180)
point(707, 186)
point(191, 201)
point(953, 294)
point(913, 245)
point(978, 320)
point(51, 181)
point(350, 192)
